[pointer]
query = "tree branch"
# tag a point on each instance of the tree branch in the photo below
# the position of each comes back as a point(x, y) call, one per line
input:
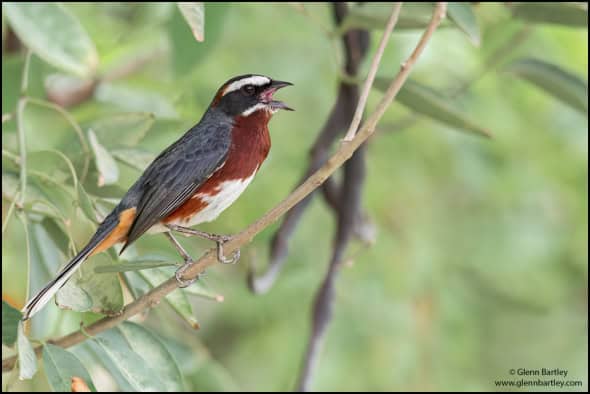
point(355, 45)
point(360, 108)
point(347, 148)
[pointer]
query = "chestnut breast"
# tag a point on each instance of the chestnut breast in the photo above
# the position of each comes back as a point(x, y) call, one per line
point(249, 148)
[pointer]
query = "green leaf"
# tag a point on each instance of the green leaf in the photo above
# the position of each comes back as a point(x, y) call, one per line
point(10, 319)
point(46, 257)
point(560, 13)
point(107, 167)
point(554, 80)
point(60, 132)
point(177, 299)
point(61, 366)
point(33, 200)
point(86, 203)
point(140, 357)
point(374, 16)
point(135, 265)
point(27, 360)
point(123, 130)
point(426, 101)
point(86, 291)
point(194, 15)
point(134, 158)
point(133, 99)
point(199, 289)
point(54, 34)
point(186, 52)
point(462, 15)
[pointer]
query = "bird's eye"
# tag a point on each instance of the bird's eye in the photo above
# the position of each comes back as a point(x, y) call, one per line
point(248, 90)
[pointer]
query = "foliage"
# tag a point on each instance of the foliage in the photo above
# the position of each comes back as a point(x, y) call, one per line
point(480, 263)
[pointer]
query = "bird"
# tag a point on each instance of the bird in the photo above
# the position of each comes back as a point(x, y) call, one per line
point(190, 182)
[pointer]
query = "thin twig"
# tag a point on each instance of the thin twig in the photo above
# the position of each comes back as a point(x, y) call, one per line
point(22, 147)
point(24, 85)
point(324, 300)
point(345, 151)
point(360, 108)
point(355, 45)
point(77, 129)
point(10, 211)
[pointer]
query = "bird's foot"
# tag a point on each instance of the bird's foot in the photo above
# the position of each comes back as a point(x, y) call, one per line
point(182, 283)
point(219, 239)
point(220, 255)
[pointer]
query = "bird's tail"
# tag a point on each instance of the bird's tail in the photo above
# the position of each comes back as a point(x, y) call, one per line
point(36, 303)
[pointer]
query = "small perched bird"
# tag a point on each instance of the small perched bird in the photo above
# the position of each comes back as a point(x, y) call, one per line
point(192, 181)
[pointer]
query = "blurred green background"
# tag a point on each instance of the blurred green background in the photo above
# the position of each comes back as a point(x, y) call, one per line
point(480, 262)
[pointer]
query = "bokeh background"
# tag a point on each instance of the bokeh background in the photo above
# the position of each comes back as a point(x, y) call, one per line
point(480, 259)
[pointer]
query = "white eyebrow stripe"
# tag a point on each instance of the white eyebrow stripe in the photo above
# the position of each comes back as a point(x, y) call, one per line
point(257, 80)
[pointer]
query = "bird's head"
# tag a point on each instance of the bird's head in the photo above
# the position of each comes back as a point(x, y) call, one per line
point(247, 94)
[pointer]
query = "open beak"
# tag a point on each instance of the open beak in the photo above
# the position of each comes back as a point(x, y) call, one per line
point(266, 95)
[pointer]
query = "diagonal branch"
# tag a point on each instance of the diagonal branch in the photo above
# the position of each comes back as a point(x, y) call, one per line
point(355, 45)
point(347, 148)
point(360, 108)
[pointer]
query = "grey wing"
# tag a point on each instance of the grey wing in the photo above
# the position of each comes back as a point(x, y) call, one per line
point(174, 176)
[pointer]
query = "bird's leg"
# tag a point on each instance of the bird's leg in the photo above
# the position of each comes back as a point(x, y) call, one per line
point(218, 239)
point(188, 261)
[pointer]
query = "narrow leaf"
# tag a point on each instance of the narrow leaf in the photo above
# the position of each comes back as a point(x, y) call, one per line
point(118, 356)
point(186, 52)
point(61, 367)
point(54, 34)
point(426, 101)
point(199, 289)
point(86, 203)
point(123, 130)
point(155, 354)
point(140, 357)
point(33, 199)
point(136, 265)
point(462, 15)
point(27, 361)
point(554, 80)
point(560, 13)
point(107, 167)
point(133, 99)
point(194, 15)
point(374, 16)
point(177, 299)
point(87, 291)
point(10, 319)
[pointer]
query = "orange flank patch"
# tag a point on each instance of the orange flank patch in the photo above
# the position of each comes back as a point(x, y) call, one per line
point(11, 301)
point(119, 233)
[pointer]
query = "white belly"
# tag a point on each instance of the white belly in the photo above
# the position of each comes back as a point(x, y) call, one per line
point(229, 191)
